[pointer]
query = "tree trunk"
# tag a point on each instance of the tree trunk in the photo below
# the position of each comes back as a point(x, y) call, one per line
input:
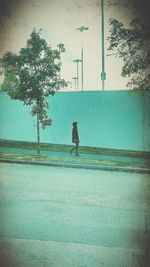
point(38, 135)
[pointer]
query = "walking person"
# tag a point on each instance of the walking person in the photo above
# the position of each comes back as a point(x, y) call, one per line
point(75, 138)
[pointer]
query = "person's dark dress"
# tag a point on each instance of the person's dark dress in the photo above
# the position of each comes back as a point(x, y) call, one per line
point(75, 136)
point(75, 139)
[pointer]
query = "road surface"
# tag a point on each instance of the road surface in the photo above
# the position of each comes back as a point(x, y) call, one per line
point(66, 217)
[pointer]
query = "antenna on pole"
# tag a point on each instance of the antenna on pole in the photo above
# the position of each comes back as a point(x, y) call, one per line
point(81, 29)
point(77, 61)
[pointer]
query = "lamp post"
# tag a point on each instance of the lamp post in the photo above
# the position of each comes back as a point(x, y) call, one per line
point(103, 73)
point(77, 61)
point(75, 82)
point(81, 29)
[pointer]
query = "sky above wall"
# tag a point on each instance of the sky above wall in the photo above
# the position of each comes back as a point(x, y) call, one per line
point(59, 21)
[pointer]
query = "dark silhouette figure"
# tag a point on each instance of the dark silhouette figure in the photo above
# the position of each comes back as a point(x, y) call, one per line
point(75, 138)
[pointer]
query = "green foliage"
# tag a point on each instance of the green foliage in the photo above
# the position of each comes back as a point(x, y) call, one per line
point(10, 82)
point(33, 74)
point(133, 46)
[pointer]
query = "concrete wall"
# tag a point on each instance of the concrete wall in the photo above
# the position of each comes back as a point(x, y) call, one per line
point(111, 119)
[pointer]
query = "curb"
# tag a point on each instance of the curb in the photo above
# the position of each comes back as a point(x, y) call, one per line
point(79, 166)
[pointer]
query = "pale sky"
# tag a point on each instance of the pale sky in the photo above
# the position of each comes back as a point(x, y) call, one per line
point(59, 21)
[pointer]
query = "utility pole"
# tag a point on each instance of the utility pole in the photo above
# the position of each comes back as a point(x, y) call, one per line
point(75, 82)
point(103, 73)
point(81, 29)
point(77, 61)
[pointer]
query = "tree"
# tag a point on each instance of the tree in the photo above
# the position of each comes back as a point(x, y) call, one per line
point(32, 75)
point(133, 46)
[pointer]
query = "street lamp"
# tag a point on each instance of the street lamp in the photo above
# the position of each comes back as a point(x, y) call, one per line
point(75, 82)
point(81, 29)
point(103, 73)
point(77, 61)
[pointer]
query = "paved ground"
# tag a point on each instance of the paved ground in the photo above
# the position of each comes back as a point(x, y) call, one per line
point(85, 160)
point(64, 217)
point(83, 155)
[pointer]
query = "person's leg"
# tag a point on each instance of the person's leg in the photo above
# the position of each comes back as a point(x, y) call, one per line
point(77, 148)
point(71, 151)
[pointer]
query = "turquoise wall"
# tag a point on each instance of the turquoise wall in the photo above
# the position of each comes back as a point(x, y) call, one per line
point(110, 119)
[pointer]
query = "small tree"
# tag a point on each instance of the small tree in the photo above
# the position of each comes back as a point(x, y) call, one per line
point(32, 75)
point(133, 46)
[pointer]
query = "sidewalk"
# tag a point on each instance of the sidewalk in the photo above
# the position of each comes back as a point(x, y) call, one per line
point(85, 160)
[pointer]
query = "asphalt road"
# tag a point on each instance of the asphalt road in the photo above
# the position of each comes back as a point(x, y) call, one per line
point(63, 217)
